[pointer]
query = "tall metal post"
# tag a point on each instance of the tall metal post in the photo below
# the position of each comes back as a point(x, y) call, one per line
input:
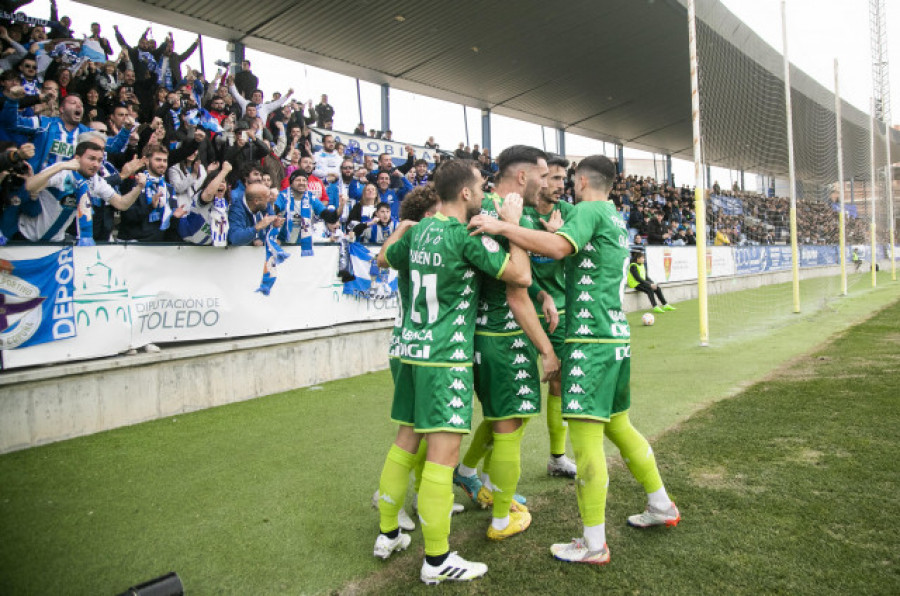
point(699, 192)
point(840, 164)
point(385, 107)
point(561, 142)
point(486, 130)
point(788, 106)
point(873, 185)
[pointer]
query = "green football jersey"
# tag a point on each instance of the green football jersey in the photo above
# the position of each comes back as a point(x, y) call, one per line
point(494, 315)
point(443, 263)
point(548, 274)
point(596, 274)
point(402, 301)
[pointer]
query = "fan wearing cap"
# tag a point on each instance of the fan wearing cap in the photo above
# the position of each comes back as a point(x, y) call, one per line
point(638, 279)
point(298, 206)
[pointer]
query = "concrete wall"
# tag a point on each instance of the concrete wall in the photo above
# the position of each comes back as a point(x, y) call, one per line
point(69, 400)
point(62, 401)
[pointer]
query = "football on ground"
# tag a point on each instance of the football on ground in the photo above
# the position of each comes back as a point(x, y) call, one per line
point(648, 319)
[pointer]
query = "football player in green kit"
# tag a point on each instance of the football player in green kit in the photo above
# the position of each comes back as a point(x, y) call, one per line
point(433, 395)
point(596, 369)
point(508, 341)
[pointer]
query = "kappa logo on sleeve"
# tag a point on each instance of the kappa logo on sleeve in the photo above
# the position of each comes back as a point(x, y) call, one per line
point(456, 420)
point(577, 355)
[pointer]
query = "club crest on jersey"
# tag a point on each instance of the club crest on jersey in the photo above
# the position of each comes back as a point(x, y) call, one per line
point(457, 385)
point(584, 314)
point(524, 390)
point(584, 297)
point(586, 263)
point(577, 355)
point(576, 388)
point(456, 403)
point(573, 405)
point(522, 375)
point(456, 420)
point(457, 337)
point(490, 244)
point(576, 371)
point(526, 406)
point(585, 281)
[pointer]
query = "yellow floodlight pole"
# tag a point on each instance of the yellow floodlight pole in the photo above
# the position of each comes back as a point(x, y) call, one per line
point(795, 257)
point(840, 163)
point(699, 189)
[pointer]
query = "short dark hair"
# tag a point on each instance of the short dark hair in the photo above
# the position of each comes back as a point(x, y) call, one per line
point(248, 168)
point(518, 154)
point(382, 205)
point(599, 170)
point(420, 162)
point(557, 160)
point(152, 149)
point(453, 176)
point(85, 146)
point(418, 201)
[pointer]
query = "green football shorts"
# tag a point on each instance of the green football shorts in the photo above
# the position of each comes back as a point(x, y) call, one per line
point(433, 398)
point(558, 337)
point(507, 380)
point(596, 380)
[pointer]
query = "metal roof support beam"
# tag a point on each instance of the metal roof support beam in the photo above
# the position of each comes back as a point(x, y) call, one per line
point(486, 129)
point(742, 180)
point(561, 141)
point(708, 176)
point(620, 158)
point(669, 179)
point(236, 49)
point(385, 107)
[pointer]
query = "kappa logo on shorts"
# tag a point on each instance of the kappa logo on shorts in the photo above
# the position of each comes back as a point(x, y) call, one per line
point(456, 403)
point(585, 281)
point(584, 330)
point(458, 355)
point(520, 359)
point(460, 320)
point(577, 355)
point(526, 406)
point(524, 390)
point(456, 420)
point(463, 305)
point(522, 375)
point(481, 320)
point(588, 247)
point(458, 369)
point(510, 315)
point(511, 325)
point(586, 263)
point(457, 385)
point(573, 405)
point(584, 297)
point(467, 291)
point(457, 337)
point(584, 314)
point(469, 274)
point(576, 388)
point(576, 371)
point(519, 343)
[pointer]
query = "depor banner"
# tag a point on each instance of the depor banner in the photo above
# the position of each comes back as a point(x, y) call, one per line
point(359, 146)
point(126, 296)
point(37, 299)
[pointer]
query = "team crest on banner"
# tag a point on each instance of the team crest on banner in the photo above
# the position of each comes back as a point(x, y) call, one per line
point(37, 300)
point(371, 281)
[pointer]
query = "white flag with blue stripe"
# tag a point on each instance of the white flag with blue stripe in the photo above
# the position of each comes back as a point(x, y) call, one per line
point(371, 281)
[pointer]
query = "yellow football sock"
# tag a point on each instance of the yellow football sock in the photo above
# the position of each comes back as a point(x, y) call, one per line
point(592, 479)
point(419, 463)
point(481, 443)
point(393, 486)
point(636, 452)
point(555, 425)
point(435, 505)
point(506, 469)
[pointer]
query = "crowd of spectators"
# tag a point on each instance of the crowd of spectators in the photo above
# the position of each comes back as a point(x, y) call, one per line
point(101, 146)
